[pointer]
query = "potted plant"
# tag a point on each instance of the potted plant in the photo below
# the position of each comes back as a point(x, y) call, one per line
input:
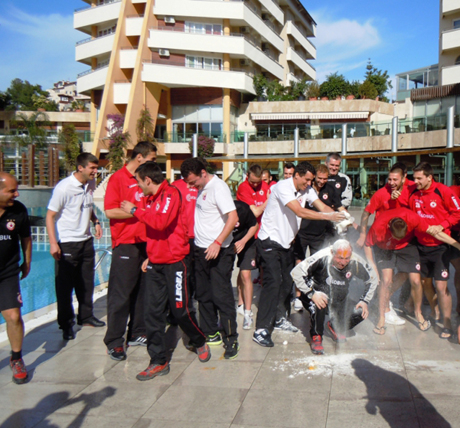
point(313, 91)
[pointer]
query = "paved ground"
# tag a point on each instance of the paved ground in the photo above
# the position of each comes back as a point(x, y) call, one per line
point(406, 378)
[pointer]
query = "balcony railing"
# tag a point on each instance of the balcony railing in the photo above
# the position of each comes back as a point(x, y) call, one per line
point(186, 137)
point(91, 70)
point(90, 39)
point(105, 3)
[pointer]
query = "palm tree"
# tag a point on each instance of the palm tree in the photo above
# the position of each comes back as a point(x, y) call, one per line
point(31, 129)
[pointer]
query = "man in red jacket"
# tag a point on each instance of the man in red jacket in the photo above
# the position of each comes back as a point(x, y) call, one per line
point(166, 268)
point(438, 205)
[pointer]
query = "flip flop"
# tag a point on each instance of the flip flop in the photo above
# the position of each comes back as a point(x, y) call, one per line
point(379, 330)
point(421, 324)
point(446, 331)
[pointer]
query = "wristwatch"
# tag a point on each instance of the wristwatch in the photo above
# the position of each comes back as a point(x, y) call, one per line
point(133, 210)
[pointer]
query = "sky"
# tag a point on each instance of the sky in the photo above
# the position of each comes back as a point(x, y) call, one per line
point(38, 39)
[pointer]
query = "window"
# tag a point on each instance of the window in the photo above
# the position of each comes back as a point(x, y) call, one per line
point(106, 31)
point(456, 23)
point(457, 61)
point(203, 28)
point(205, 63)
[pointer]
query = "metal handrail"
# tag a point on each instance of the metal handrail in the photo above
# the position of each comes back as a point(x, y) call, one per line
point(81, 9)
point(105, 252)
point(90, 39)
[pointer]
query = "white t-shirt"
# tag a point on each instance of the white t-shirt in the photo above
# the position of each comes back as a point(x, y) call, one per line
point(73, 202)
point(213, 204)
point(279, 223)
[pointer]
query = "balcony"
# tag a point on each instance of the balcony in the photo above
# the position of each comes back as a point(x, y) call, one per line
point(177, 75)
point(85, 18)
point(89, 48)
point(121, 90)
point(301, 63)
point(236, 45)
point(274, 9)
point(295, 32)
point(92, 79)
point(134, 25)
point(450, 39)
point(451, 75)
point(128, 57)
point(450, 6)
point(239, 14)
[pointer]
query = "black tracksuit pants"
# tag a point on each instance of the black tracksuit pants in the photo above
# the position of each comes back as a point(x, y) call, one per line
point(277, 263)
point(166, 288)
point(214, 293)
point(74, 271)
point(125, 297)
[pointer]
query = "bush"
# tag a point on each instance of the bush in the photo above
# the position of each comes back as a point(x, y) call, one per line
point(118, 141)
point(205, 146)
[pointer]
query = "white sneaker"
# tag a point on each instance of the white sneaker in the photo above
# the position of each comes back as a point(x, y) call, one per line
point(286, 325)
point(247, 323)
point(298, 305)
point(393, 319)
point(240, 310)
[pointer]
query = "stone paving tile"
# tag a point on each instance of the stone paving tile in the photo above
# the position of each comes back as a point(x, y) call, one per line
point(23, 418)
point(86, 421)
point(441, 411)
point(154, 423)
point(192, 404)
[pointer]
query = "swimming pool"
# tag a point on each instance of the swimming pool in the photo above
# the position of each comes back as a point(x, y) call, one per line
point(38, 288)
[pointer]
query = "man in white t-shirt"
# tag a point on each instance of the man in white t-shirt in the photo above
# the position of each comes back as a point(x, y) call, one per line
point(70, 211)
point(280, 224)
point(215, 219)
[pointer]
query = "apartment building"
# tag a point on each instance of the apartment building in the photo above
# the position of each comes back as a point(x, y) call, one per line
point(449, 42)
point(190, 62)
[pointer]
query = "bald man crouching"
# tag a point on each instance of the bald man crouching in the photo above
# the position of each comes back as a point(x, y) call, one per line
point(324, 280)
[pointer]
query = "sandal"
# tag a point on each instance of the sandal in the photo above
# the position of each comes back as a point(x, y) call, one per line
point(445, 331)
point(421, 325)
point(379, 330)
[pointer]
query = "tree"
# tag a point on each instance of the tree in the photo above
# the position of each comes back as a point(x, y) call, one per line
point(259, 82)
point(353, 88)
point(5, 100)
point(79, 105)
point(380, 79)
point(68, 138)
point(367, 90)
point(42, 102)
point(144, 126)
point(118, 140)
point(31, 129)
point(21, 95)
point(276, 91)
point(334, 86)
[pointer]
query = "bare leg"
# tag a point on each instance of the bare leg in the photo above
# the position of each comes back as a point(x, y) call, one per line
point(398, 280)
point(430, 294)
point(445, 302)
point(417, 295)
point(14, 328)
point(239, 283)
point(456, 265)
point(247, 291)
point(386, 278)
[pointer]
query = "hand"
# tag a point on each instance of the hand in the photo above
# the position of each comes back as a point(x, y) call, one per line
point(55, 251)
point(434, 230)
point(360, 241)
point(320, 299)
point(98, 229)
point(336, 216)
point(395, 194)
point(363, 306)
point(126, 206)
point(212, 251)
point(239, 246)
point(25, 269)
point(145, 263)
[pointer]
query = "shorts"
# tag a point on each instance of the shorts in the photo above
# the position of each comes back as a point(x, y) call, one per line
point(406, 260)
point(10, 293)
point(303, 242)
point(435, 261)
point(247, 257)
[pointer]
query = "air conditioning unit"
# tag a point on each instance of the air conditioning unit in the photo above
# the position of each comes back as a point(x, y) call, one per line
point(164, 52)
point(244, 30)
point(244, 62)
point(169, 20)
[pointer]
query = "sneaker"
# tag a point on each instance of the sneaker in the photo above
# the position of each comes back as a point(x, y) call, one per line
point(204, 353)
point(286, 325)
point(138, 341)
point(68, 333)
point(339, 338)
point(20, 375)
point(392, 318)
point(240, 310)
point(316, 345)
point(152, 371)
point(214, 339)
point(231, 351)
point(298, 305)
point(247, 323)
point(92, 321)
point(118, 353)
point(263, 339)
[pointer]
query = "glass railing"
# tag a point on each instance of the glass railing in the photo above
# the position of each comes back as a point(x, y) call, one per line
point(180, 137)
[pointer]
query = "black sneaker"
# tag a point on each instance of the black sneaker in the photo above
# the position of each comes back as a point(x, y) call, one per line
point(214, 339)
point(68, 333)
point(231, 351)
point(92, 321)
point(118, 353)
point(138, 341)
point(263, 338)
